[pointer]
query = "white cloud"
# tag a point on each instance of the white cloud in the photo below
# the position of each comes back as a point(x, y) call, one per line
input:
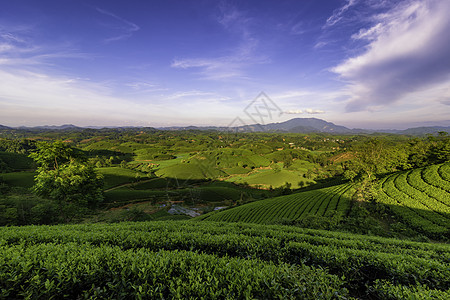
point(407, 51)
point(294, 112)
point(314, 111)
point(307, 110)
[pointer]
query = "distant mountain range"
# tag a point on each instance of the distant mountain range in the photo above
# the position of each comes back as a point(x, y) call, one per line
point(296, 125)
point(299, 125)
point(53, 127)
point(313, 125)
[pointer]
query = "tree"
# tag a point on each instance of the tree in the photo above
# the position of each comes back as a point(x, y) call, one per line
point(440, 148)
point(376, 157)
point(64, 176)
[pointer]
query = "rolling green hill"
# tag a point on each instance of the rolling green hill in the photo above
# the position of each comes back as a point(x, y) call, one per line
point(329, 201)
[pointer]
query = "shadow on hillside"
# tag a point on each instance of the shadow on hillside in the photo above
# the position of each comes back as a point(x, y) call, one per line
point(327, 212)
point(187, 191)
point(430, 223)
point(323, 183)
point(108, 153)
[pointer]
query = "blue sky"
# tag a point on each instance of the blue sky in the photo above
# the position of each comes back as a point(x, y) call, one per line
point(358, 63)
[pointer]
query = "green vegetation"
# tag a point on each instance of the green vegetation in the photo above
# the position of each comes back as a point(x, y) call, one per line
point(187, 259)
point(116, 176)
point(223, 215)
point(14, 162)
point(19, 179)
point(423, 206)
point(64, 177)
point(332, 203)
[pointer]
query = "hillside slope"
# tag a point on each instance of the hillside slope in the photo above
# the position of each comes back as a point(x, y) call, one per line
point(330, 202)
point(420, 198)
point(416, 200)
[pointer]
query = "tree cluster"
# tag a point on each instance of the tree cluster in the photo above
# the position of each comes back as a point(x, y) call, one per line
point(65, 177)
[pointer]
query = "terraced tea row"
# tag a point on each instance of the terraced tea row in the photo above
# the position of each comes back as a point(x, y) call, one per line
point(326, 201)
point(421, 198)
point(83, 271)
point(207, 259)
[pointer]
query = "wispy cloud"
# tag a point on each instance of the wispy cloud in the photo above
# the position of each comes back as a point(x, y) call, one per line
point(338, 14)
point(29, 98)
point(124, 27)
point(298, 29)
point(17, 48)
point(31, 91)
point(188, 94)
point(407, 50)
point(241, 55)
point(218, 68)
point(12, 45)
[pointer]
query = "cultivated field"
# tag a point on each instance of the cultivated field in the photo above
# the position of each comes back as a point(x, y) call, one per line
point(215, 260)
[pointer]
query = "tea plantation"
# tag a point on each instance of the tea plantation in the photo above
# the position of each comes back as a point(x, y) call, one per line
point(185, 259)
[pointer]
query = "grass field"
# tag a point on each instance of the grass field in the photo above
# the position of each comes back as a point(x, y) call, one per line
point(192, 170)
point(266, 178)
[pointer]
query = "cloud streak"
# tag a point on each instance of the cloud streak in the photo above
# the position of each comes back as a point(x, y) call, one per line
point(338, 14)
point(241, 56)
point(407, 50)
point(125, 27)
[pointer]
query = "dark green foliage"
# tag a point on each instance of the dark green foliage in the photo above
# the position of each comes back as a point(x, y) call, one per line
point(25, 209)
point(155, 183)
point(65, 177)
point(387, 290)
point(19, 179)
point(4, 167)
point(440, 149)
point(376, 157)
point(14, 162)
